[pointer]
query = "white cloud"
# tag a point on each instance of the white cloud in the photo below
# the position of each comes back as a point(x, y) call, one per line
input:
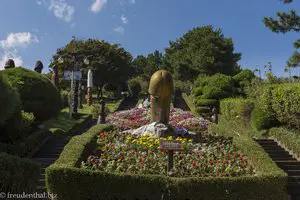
point(39, 2)
point(132, 1)
point(73, 25)
point(98, 5)
point(10, 46)
point(62, 10)
point(124, 19)
point(119, 29)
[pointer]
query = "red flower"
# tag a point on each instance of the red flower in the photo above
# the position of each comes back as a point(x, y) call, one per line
point(194, 164)
point(161, 150)
point(141, 159)
point(121, 158)
point(211, 163)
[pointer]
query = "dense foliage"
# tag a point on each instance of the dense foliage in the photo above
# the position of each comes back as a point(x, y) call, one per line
point(108, 61)
point(134, 87)
point(9, 100)
point(286, 22)
point(237, 109)
point(202, 50)
point(38, 95)
point(18, 175)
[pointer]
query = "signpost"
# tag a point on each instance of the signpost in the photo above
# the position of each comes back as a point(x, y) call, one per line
point(171, 146)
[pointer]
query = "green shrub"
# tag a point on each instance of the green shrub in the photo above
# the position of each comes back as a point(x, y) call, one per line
point(134, 87)
point(18, 175)
point(96, 110)
point(197, 91)
point(243, 80)
point(9, 100)
point(218, 86)
point(62, 178)
point(37, 93)
point(27, 122)
point(203, 109)
point(245, 76)
point(290, 139)
point(207, 102)
point(286, 103)
point(237, 109)
point(261, 119)
point(12, 129)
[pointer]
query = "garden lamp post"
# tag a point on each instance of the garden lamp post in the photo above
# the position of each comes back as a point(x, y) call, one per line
point(75, 76)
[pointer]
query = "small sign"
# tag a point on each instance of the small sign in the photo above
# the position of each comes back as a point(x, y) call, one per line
point(78, 75)
point(67, 75)
point(171, 145)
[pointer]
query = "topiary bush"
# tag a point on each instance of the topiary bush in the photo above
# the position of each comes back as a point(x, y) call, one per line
point(243, 80)
point(218, 86)
point(207, 102)
point(203, 109)
point(38, 95)
point(18, 175)
point(134, 87)
point(27, 122)
point(9, 100)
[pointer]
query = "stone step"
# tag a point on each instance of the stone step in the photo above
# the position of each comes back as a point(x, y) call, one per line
point(292, 179)
point(293, 172)
point(278, 159)
point(290, 167)
point(275, 151)
point(293, 162)
point(294, 189)
point(273, 148)
point(267, 142)
point(279, 155)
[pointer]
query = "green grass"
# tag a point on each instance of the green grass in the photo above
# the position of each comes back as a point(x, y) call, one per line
point(63, 123)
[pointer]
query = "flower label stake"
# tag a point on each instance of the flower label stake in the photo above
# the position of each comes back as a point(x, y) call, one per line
point(171, 146)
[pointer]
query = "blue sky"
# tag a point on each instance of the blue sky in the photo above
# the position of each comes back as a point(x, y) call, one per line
point(34, 29)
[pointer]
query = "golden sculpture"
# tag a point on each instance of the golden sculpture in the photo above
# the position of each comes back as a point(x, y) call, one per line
point(161, 91)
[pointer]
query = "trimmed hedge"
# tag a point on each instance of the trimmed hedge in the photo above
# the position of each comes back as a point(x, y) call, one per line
point(65, 179)
point(37, 93)
point(290, 139)
point(237, 109)
point(190, 104)
point(207, 102)
point(286, 103)
point(134, 87)
point(18, 175)
point(261, 119)
point(203, 109)
point(218, 86)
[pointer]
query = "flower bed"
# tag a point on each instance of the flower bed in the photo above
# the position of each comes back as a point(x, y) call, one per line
point(137, 117)
point(125, 153)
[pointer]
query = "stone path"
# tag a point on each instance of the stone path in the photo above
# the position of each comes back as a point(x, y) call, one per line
point(287, 163)
point(51, 150)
